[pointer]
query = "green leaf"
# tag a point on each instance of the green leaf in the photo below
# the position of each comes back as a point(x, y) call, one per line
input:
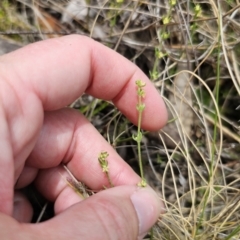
point(140, 107)
point(138, 137)
point(143, 183)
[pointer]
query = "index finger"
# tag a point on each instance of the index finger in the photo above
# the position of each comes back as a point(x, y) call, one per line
point(60, 70)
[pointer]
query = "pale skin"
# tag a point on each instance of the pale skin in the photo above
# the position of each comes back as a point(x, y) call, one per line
point(38, 133)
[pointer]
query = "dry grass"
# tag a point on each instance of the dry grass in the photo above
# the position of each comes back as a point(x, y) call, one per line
point(192, 56)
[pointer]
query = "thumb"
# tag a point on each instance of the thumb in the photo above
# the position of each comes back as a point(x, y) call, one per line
point(124, 212)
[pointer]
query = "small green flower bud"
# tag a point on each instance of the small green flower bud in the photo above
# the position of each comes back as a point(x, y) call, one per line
point(140, 83)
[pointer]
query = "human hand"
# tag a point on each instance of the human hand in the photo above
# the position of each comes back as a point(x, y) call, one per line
point(38, 134)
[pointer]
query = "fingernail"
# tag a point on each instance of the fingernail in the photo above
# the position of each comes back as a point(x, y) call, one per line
point(148, 208)
point(22, 210)
point(17, 206)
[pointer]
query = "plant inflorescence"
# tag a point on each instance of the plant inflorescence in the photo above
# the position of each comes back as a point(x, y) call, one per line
point(102, 159)
point(138, 138)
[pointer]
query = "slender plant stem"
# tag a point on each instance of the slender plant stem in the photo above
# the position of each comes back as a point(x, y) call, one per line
point(109, 180)
point(139, 140)
point(140, 108)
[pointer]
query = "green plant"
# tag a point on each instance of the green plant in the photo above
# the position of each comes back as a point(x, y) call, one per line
point(11, 21)
point(102, 159)
point(138, 138)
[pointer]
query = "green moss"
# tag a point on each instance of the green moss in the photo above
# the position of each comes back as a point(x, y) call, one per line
point(10, 20)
